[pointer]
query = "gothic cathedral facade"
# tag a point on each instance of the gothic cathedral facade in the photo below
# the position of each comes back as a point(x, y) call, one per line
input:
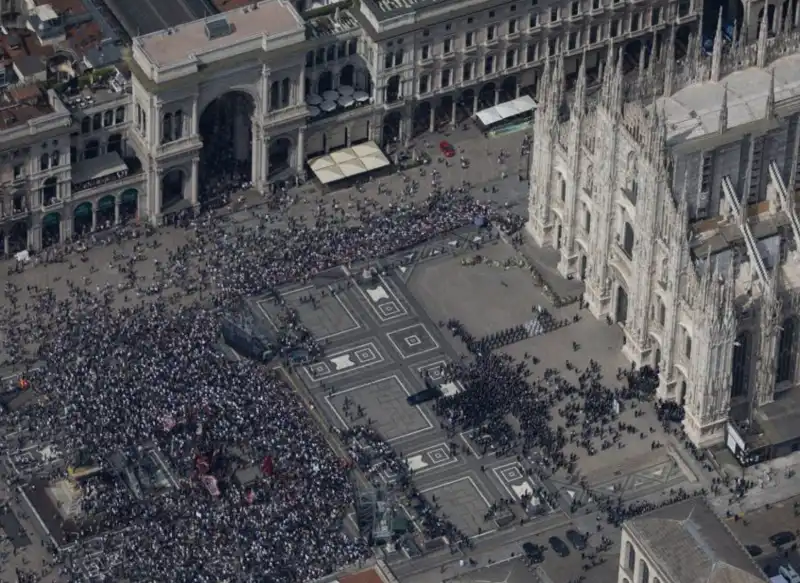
point(671, 191)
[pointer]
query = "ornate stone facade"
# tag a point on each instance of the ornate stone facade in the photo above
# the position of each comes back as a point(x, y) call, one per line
point(672, 193)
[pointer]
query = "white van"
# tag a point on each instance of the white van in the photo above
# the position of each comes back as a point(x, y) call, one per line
point(789, 573)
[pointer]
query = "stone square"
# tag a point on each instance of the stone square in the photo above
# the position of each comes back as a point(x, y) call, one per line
point(412, 341)
point(384, 300)
point(511, 474)
point(439, 455)
point(328, 316)
point(464, 504)
point(384, 402)
point(344, 361)
point(389, 309)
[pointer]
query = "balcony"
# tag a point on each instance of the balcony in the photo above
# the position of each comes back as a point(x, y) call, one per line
point(179, 146)
point(129, 180)
point(15, 214)
point(342, 114)
point(287, 114)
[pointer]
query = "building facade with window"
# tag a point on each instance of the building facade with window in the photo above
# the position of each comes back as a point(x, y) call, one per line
point(57, 176)
point(673, 196)
point(413, 68)
point(247, 79)
point(683, 543)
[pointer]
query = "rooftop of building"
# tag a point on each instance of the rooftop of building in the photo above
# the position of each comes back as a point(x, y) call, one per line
point(149, 16)
point(180, 43)
point(690, 544)
point(66, 7)
point(95, 88)
point(694, 111)
point(330, 24)
point(22, 104)
point(388, 9)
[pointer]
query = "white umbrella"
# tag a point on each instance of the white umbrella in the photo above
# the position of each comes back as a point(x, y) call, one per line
point(360, 96)
point(346, 101)
point(346, 90)
point(331, 95)
point(313, 99)
point(313, 111)
point(328, 106)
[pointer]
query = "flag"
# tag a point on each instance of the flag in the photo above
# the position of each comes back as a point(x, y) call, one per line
point(210, 482)
point(168, 422)
point(23, 384)
point(267, 466)
point(202, 464)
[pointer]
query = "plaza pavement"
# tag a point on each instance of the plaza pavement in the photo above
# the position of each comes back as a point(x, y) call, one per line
point(382, 334)
point(381, 337)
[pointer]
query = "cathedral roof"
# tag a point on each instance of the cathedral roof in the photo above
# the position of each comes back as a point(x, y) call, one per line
point(694, 111)
point(689, 544)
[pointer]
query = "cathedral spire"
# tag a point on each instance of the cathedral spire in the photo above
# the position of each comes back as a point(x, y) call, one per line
point(669, 66)
point(544, 82)
point(608, 74)
point(778, 24)
point(580, 87)
point(716, 55)
point(617, 84)
point(769, 110)
point(763, 34)
point(723, 111)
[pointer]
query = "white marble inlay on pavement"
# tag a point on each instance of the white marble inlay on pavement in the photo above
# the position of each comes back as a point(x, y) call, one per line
point(415, 462)
point(378, 294)
point(450, 389)
point(342, 362)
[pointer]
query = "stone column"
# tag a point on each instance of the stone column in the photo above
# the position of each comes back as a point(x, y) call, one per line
point(62, 229)
point(35, 237)
point(94, 218)
point(474, 102)
point(265, 159)
point(453, 114)
point(5, 244)
point(255, 151)
point(432, 122)
point(154, 202)
point(518, 90)
point(116, 211)
point(496, 96)
point(195, 186)
point(300, 151)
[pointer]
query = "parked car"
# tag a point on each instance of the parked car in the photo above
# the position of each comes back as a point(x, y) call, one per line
point(533, 552)
point(576, 539)
point(782, 538)
point(788, 573)
point(447, 149)
point(559, 546)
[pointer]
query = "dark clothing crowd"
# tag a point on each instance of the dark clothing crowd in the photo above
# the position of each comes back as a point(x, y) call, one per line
point(120, 383)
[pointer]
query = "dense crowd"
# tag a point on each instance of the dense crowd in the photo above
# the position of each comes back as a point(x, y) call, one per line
point(120, 383)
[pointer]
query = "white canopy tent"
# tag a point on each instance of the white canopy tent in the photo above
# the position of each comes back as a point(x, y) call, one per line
point(503, 111)
point(348, 162)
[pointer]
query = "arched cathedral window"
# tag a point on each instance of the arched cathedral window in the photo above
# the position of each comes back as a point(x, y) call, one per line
point(627, 239)
point(740, 372)
point(630, 556)
point(786, 353)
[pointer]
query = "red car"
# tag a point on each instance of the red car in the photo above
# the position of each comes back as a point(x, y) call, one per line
point(447, 149)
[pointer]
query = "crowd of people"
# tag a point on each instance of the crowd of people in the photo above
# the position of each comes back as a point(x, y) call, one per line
point(118, 381)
